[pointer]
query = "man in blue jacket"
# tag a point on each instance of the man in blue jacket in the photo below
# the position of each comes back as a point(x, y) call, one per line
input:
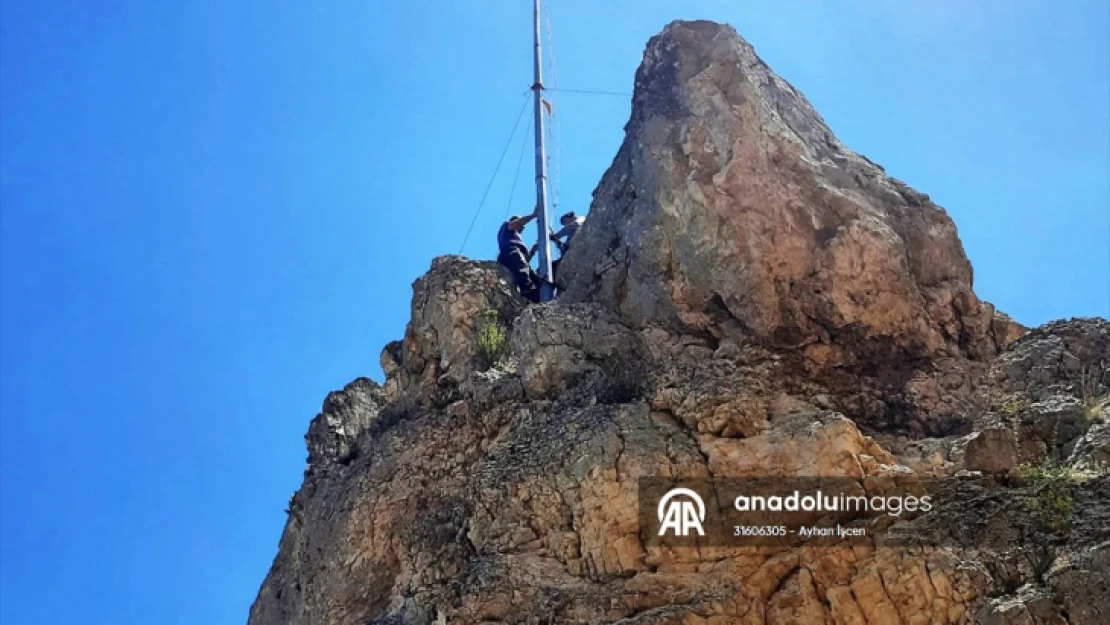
point(514, 255)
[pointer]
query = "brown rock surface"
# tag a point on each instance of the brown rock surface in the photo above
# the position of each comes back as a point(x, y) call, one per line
point(441, 339)
point(746, 298)
point(731, 207)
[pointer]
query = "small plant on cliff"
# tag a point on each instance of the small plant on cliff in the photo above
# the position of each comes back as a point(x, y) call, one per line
point(1093, 390)
point(1050, 491)
point(1009, 408)
point(492, 340)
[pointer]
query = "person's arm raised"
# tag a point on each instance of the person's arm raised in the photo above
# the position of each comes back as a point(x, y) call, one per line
point(522, 221)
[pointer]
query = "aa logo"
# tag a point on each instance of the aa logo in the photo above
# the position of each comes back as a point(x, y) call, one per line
point(682, 510)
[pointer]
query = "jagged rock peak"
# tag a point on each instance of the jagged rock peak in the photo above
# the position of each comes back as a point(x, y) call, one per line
point(333, 434)
point(732, 236)
point(732, 209)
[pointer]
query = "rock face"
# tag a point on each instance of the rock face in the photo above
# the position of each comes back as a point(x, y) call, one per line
point(747, 298)
point(731, 208)
point(441, 341)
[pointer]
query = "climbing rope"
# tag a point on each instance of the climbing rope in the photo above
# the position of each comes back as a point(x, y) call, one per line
point(494, 176)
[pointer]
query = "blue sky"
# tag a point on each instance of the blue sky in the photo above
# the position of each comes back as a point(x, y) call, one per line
point(212, 213)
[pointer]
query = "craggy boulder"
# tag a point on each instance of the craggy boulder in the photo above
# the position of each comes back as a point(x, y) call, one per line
point(558, 346)
point(333, 434)
point(731, 207)
point(440, 345)
point(991, 451)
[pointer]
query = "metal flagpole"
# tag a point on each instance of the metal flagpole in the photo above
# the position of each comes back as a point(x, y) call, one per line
point(547, 291)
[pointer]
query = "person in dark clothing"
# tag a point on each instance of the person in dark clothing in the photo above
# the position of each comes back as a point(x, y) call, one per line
point(514, 255)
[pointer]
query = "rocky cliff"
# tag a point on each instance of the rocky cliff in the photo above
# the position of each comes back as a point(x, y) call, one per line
point(747, 298)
